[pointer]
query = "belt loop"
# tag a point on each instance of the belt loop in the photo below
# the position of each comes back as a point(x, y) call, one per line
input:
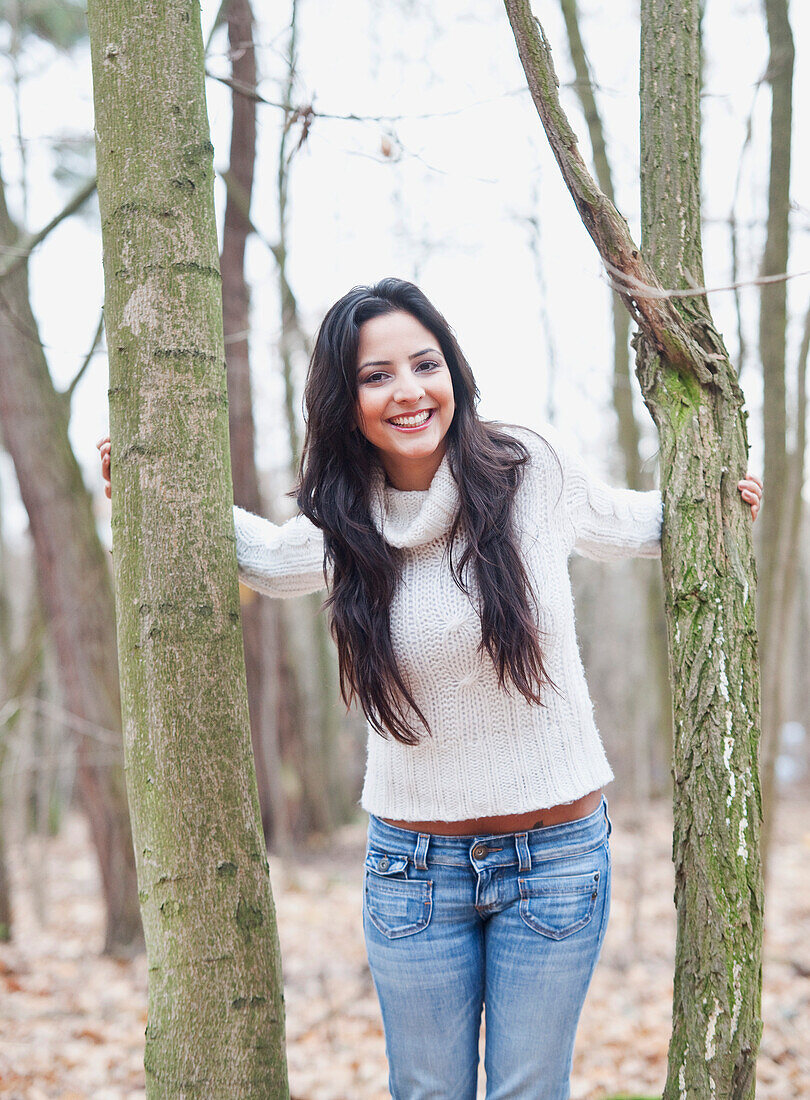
point(420, 853)
point(607, 816)
point(522, 847)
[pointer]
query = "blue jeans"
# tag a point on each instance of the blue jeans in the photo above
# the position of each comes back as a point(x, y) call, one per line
point(514, 922)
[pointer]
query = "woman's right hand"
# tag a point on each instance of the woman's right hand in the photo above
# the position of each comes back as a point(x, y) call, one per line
point(105, 447)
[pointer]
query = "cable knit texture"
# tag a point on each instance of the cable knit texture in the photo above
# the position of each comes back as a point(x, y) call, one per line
point(490, 752)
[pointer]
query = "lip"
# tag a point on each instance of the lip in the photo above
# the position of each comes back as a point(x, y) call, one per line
point(413, 427)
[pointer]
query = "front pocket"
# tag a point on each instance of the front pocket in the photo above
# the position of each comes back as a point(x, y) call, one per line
point(397, 906)
point(560, 905)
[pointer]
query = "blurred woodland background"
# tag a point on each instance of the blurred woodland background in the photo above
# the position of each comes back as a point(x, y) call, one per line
point(354, 141)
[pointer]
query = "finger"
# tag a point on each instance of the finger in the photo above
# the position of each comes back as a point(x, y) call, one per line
point(753, 478)
point(751, 487)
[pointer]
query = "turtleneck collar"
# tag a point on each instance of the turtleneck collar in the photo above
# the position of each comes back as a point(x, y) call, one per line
point(414, 518)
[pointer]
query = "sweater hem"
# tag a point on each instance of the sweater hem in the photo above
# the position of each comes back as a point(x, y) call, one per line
point(541, 802)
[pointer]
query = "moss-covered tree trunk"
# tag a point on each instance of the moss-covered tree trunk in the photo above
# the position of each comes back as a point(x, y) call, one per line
point(692, 392)
point(216, 1019)
point(709, 583)
point(74, 580)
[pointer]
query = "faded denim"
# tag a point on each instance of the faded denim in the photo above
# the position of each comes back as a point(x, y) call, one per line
point(513, 922)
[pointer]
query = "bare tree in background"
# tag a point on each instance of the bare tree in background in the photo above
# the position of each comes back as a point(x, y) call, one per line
point(784, 470)
point(260, 618)
point(691, 389)
point(325, 800)
point(74, 580)
point(628, 429)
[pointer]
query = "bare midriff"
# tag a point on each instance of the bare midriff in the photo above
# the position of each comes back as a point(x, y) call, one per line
point(506, 823)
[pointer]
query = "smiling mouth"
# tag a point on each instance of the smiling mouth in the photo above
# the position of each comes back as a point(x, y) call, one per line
point(413, 420)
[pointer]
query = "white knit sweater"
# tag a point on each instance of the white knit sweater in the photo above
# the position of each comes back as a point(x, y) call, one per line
point(490, 752)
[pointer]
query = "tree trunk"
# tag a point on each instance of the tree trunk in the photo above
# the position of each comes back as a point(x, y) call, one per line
point(709, 578)
point(261, 659)
point(216, 1016)
point(709, 582)
point(74, 580)
point(779, 534)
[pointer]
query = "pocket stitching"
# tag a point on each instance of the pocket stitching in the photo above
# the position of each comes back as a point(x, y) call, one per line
point(531, 921)
point(426, 889)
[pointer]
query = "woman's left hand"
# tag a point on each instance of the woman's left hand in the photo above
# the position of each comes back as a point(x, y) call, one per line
point(751, 492)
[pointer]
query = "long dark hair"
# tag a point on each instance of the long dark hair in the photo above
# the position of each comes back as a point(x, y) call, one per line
point(336, 467)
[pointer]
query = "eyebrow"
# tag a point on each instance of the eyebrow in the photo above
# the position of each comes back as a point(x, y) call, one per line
point(387, 362)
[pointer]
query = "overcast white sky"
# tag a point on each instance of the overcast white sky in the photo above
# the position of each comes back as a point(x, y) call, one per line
point(450, 212)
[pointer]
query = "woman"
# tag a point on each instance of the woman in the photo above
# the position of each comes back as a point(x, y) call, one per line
point(444, 540)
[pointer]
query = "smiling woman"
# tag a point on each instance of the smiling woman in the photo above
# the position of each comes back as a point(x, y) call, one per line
point(444, 541)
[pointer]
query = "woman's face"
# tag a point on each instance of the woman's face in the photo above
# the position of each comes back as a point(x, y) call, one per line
point(404, 397)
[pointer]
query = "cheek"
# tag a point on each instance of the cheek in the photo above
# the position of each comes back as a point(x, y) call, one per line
point(364, 412)
point(449, 400)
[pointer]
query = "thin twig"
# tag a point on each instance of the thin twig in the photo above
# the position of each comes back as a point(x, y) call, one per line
point(29, 241)
point(308, 109)
point(625, 282)
point(73, 722)
point(68, 393)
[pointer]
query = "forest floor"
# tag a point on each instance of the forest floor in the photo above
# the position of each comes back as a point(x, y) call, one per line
point(73, 1022)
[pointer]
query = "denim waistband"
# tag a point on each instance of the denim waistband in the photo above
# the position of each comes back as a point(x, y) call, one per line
point(494, 849)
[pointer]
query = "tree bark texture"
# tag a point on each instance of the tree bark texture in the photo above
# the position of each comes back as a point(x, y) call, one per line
point(216, 1018)
point(261, 659)
point(778, 543)
point(709, 582)
point(709, 578)
point(74, 580)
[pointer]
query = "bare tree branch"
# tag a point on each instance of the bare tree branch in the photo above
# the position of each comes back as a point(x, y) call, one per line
point(653, 312)
point(68, 393)
point(27, 242)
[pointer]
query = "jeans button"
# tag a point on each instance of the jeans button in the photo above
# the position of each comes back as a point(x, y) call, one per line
point(480, 851)
point(384, 863)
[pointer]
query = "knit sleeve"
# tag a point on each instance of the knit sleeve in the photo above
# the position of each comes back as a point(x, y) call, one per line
point(284, 560)
point(606, 522)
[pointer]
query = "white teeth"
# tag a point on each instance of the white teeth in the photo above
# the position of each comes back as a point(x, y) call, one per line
point(411, 421)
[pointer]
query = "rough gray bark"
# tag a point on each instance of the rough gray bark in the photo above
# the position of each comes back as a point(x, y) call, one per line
point(779, 534)
point(691, 390)
point(709, 577)
point(216, 1016)
point(74, 581)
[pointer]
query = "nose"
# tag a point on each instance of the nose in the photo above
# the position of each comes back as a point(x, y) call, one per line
point(408, 389)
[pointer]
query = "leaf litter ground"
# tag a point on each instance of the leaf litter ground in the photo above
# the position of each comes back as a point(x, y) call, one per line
point(73, 1022)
